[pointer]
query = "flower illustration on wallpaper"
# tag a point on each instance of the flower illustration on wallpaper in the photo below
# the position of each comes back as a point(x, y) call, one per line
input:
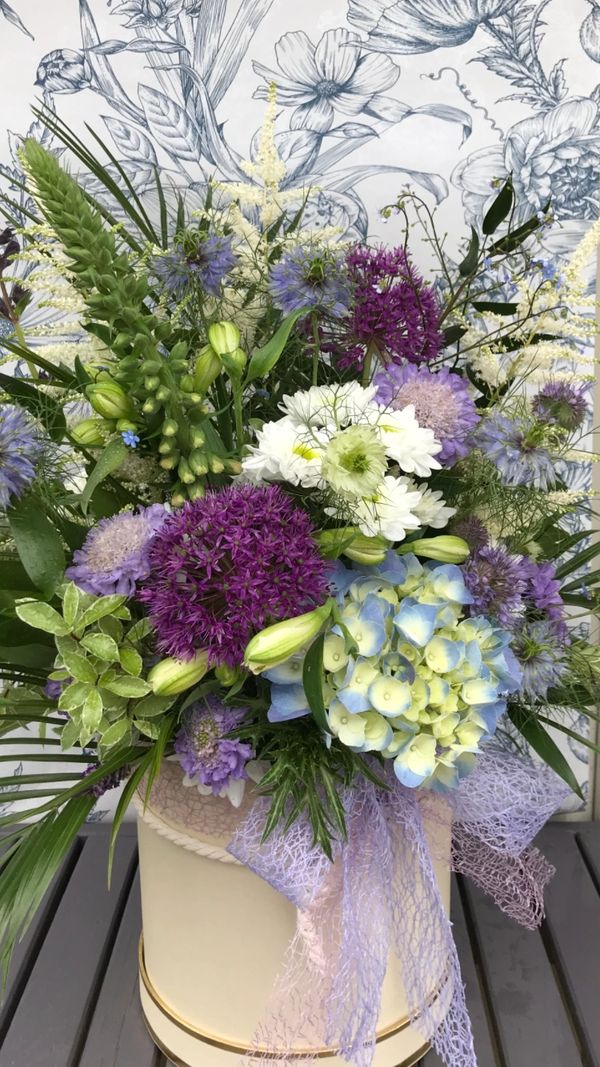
point(316, 80)
point(64, 71)
point(154, 14)
point(414, 26)
point(11, 16)
point(554, 155)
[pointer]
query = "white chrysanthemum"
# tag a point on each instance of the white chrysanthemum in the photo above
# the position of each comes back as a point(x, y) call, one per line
point(391, 512)
point(333, 406)
point(432, 509)
point(285, 454)
point(413, 447)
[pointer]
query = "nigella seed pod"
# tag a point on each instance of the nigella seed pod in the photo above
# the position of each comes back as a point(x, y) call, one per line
point(589, 35)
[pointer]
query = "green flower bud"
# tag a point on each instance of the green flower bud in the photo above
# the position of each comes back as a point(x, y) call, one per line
point(126, 424)
point(369, 550)
point(224, 337)
point(186, 383)
point(195, 491)
point(163, 393)
point(216, 464)
point(151, 406)
point(110, 401)
point(207, 369)
point(89, 432)
point(169, 428)
point(151, 383)
point(228, 676)
point(277, 643)
point(234, 362)
point(173, 676)
point(446, 548)
point(196, 437)
point(168, 463)
point(186, 475)
point(198, 461)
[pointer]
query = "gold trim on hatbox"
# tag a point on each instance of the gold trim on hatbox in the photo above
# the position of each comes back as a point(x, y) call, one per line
point(229, 1046)
point(412, 1062)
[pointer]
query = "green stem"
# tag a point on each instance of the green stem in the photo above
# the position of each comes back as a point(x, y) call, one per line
point(367, 365)
point(238, 415)
point(316, 348)
point(16, 325)
point(222, 419)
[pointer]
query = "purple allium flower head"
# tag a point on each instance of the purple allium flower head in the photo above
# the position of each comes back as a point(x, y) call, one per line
point(561, 404)
point(111, 781)
point(205, 753)
point(441, 400)
point(393, 309)
point(473, 531)
point(207, 260)
point(305, 278)
point(115, 553)
point(19, 451)
point(224, 567)
point(541, 654)
point(497, 582)
point(514, 447)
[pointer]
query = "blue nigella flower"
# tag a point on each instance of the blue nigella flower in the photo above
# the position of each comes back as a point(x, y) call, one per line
point(305, 278)
point(514, 447)
point(19, 451)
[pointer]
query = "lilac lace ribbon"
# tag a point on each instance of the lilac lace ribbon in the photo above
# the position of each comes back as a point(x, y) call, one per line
point(381, 895)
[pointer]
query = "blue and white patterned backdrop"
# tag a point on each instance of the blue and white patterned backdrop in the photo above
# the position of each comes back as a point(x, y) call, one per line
point(443, 95)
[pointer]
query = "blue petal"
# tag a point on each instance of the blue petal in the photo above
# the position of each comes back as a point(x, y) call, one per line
point(287, 702)
point(416, 622)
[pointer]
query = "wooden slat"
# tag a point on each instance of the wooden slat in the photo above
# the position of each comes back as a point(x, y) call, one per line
point(572, 932)
point(531, 1021)
point(27, 949)
point(482, 1039)
point(588, 840)
point(50, 1022)
point(117, 1036)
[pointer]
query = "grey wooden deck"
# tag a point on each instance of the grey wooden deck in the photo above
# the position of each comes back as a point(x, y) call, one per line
point(534, 997)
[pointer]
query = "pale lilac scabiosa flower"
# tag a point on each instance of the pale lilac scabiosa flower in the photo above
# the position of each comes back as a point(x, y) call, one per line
point(543, 595)
point(442, 402)
point(514, 447)
point(393, 310)
point(19, 451)
point(213, 762)
point(310, 278)
point(224, 567)
point(561, 404)
point(473, 531)
point(207, 260)
point(541, 654)
point(497, 581)
point(115, 554)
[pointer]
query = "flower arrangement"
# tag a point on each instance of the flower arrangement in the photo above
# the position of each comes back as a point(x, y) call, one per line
point(295, 516)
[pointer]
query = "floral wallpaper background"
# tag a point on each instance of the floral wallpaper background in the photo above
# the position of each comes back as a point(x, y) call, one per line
point(441, 95)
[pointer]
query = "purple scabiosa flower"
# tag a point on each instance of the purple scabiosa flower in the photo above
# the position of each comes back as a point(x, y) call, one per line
point(473, 531)
point(115, 553)
point(111, 781)
point(442, 402)
point(212, 761)
point(310, 278)
point(515, 449)
point(393, 310)
point(19, 451)
point(224, 567)
point(205, 258)
point(497, 582)
point(561, 404)
point(543, 595)
point(53, 689)
point(541, 654)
